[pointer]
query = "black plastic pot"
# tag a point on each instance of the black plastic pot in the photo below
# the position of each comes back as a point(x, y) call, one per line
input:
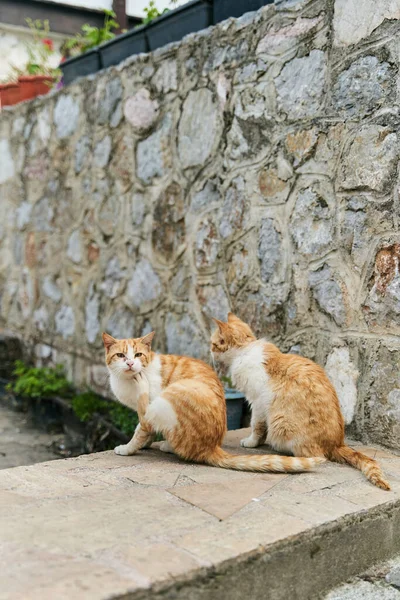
point(80, 66)
point(234, 408)
point(127, 44)
point(223, 9)
point(175, 24)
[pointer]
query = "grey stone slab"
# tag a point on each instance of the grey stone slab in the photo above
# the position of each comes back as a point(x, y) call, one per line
point(143, 523)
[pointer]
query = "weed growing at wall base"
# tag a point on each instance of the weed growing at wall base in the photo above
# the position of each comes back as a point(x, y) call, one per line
point(88, 403)
point(47, 382)
point(34, 382)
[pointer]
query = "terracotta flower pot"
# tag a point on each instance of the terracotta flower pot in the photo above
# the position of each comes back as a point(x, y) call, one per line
point(34, 85)
point(9, 94)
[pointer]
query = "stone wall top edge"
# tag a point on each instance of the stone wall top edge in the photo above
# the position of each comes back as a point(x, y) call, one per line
point(223, 29)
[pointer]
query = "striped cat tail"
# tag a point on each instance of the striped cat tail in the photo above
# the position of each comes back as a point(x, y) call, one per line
point(364, 463)
point(271, 463)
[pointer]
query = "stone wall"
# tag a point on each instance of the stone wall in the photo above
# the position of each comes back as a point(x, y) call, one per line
point(252, 167)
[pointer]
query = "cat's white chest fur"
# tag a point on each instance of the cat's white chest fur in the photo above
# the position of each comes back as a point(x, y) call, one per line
point(250, 377)
point(126, 390)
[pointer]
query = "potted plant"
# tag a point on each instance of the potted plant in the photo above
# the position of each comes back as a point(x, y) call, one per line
point(122, 46)
point(40, 72)
point(173, 25)
point(9, 94)
point(131, 42)
point(223, 9)
point(83, 48)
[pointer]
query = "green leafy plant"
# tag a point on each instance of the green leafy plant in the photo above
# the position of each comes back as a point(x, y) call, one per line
point(36, 382)
point(123, 418)
point(46, 382)
point(88, 403)
point(85, 405)
point(151, 11)
point(90, 37)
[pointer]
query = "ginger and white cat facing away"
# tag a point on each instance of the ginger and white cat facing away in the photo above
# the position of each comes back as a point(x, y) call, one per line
point(184, 400)
point(294, 405)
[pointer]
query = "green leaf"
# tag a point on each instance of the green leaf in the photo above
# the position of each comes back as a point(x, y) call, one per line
point(35, 382)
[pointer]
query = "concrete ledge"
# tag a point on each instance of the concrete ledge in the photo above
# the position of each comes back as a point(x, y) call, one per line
point(150, 526)
point(300, 567)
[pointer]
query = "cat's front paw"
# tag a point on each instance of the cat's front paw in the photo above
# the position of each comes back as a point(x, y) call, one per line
point(249, 442)
point(123, 450)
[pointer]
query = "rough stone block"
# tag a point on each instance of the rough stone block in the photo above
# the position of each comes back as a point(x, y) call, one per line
point(199, 128)
point(354, 20)
point(363, 87)
point(152, 155)
point(144, 285)
point(301, 84)
point(312, 224)
point(370, 159)
point(66, 116)
point(328, 293)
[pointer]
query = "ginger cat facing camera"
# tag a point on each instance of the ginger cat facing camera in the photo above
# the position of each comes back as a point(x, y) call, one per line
point(294, 405)
point(183, 399)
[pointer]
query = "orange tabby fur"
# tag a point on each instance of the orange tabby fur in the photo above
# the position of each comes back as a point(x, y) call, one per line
point(184, 400)
point(294, 405)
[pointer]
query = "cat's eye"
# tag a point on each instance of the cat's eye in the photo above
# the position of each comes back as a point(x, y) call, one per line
point(120, 355)
point(138, 354)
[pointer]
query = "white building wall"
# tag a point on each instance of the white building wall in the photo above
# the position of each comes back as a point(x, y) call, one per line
point(136, 7)
point(133, 7)
point(13, 41)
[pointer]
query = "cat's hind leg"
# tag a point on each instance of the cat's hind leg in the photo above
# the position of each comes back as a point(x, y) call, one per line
point(161, 417)
point(166, 447)
point(258, 432)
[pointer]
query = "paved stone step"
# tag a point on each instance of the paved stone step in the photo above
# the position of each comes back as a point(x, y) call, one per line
point(103, 526)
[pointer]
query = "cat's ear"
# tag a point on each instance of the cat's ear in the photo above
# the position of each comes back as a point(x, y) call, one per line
point(220, 324)
point(147, 339)
point(233, 318)
point(108, 341)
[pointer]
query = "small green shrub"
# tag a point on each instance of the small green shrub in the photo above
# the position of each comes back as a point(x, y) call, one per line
point(91, 37)
point(36, 382)
point(85, 405)
point(151, 12)
point(88, 403)
point(123, 418)
point(45, 382)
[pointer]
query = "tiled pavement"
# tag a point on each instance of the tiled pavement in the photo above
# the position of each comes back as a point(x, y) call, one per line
point(101, 526)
